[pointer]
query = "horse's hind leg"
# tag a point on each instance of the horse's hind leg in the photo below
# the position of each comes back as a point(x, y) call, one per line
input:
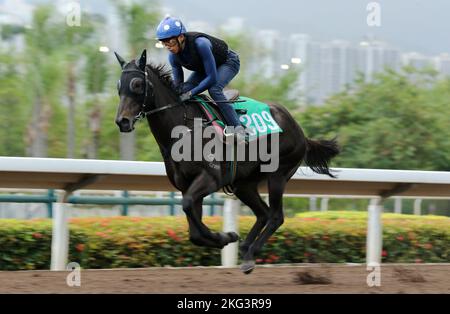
point(276, 219)
point(200, 234)
point(248, 194)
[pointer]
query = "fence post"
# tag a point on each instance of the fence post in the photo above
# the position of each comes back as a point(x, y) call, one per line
point(172, 203)
point(313, 204)
point(60, 235)
point(50, 195)
point(374, 232)
point(418, 206)
point(398, 205)
point(230, 223)
point(324, 204)
point(212, 208)
point(125, 205)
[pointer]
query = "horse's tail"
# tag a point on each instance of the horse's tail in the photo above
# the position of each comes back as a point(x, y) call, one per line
point(319, 154)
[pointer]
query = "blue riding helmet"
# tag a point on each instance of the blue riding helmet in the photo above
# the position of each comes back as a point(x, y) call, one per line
point(170, 27)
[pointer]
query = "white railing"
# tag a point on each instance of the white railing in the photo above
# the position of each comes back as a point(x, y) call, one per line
point(74, 174)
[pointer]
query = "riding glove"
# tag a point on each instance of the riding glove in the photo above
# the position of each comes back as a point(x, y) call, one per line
point(179, 89)
point(186, 96)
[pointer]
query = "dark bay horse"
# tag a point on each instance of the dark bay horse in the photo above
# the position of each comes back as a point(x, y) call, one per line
point(147, 91)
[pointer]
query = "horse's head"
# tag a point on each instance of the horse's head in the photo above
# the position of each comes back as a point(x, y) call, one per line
point(135, 92)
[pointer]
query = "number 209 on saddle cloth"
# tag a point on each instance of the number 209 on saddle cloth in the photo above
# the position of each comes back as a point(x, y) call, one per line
point(257, 119)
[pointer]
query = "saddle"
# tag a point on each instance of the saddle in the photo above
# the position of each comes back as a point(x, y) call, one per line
point(211, 109)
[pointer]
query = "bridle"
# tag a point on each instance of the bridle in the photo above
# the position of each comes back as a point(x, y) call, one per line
point(145, 108)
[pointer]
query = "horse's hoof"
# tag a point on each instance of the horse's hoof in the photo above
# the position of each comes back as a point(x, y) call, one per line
point(233, 237)
point(247, 267)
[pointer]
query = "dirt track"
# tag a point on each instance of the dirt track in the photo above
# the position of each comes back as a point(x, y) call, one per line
point(279, 279)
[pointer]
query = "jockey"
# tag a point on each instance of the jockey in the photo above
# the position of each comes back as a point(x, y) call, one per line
point(213, 64)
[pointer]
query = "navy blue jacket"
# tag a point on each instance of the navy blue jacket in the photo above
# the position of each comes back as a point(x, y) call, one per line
point(204, 49)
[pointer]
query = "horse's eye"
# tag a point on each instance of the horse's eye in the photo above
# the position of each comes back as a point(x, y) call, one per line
point(137, 85)
point(119, 83)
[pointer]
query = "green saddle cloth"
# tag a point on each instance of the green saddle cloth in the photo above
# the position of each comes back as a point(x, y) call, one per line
point(253, 114)
point(258, 118)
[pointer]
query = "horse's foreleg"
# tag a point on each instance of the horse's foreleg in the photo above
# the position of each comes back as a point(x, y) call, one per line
point(194, 233)
point(200, 234)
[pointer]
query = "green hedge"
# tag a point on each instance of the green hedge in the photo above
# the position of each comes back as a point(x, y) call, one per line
point(332, 237)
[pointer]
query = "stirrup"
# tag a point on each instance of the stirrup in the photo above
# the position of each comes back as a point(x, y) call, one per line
point(225, 132)
point(241, 137)
point(228, 137)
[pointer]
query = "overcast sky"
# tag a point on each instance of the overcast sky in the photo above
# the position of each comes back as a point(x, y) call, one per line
point(411, 25)
point(421, 25)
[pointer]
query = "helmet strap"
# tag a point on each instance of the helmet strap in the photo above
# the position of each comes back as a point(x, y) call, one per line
point(181, 44)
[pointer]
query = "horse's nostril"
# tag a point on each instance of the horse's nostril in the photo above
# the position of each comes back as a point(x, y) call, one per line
point(124, 124)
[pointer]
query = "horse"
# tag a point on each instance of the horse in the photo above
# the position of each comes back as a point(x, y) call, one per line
point(147, 91)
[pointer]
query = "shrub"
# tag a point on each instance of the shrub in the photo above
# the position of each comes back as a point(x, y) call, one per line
point(331, 237)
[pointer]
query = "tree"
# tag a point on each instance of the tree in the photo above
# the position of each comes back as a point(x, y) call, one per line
point(13, 106)
point(398, 121)
point(53, 54)
point(96, 75)
point(139, 19)
point(73, 41)
point(43, 64)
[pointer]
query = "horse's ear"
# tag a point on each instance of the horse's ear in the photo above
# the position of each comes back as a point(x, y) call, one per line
point(120, 59)
point(143, 60)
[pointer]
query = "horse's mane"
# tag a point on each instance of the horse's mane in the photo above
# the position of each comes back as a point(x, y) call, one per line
point(163, 73)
